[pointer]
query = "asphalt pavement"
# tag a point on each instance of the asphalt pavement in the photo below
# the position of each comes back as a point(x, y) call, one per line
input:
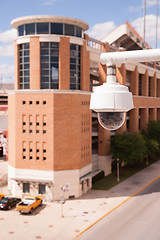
point(78, 214)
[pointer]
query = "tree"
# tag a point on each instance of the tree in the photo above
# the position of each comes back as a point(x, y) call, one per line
point(130, 148)
point(153, 131)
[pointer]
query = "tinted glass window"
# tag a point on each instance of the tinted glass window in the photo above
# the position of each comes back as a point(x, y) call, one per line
point(78, 32)
point(21, 30)
point(24, 66)
point(57, 28)
point(69, 29)
point(30, 28)
point(49, 65)
point(42, 28)
point(26, 187)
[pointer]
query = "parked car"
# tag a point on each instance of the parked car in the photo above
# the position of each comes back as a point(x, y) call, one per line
point(7, 203)
point(29, 204)
point(1, 196)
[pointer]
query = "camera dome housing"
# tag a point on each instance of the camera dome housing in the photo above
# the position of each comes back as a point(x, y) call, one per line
point(111, 120)
point(111, 101)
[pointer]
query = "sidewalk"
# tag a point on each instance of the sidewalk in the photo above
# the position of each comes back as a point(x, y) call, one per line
point(47, 223)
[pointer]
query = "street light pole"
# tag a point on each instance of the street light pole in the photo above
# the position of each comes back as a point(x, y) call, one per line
point(118, 170)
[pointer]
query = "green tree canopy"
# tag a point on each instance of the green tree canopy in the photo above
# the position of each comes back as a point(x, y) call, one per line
point(130, 148)
point(153, 131)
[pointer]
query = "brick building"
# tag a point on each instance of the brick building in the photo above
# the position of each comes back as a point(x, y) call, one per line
point(54, 139)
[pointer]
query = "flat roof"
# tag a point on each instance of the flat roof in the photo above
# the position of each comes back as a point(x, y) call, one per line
point(48, 18)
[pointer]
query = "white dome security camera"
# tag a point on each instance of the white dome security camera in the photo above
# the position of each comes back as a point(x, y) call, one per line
point(111, 101)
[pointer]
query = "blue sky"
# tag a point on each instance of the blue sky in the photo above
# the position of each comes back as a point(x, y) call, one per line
point(102, 16)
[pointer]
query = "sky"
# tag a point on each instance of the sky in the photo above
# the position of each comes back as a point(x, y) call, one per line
point(103, 16)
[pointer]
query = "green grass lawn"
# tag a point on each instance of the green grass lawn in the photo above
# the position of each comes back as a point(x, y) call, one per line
point(110, 181)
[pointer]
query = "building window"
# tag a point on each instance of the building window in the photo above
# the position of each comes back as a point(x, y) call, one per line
point(24, 102)
point(41, 189)
point(140, 84)
point(49, 65)
point(21, 30)
point(57, 28)
point(24, 80)
point(44, 102)
point(69, 30)
point(26, 187)
point(50, 28)
point(43, 28)
point(74, 67)
point(149, 86)
point(30, 29)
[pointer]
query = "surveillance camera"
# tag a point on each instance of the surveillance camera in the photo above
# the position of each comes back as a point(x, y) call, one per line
point(111, 101)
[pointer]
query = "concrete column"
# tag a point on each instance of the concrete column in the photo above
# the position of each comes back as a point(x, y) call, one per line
point(145, 84)
point(102, 73)
point(103, 141)
point(35, 63)
point(158, 114)
point(143, 119)
point(121, 74)
point(134, 81)
point(152, 114)
point(134, 120)
point(64, 63)
point(153, 86)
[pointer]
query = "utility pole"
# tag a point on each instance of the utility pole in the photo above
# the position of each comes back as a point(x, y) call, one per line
point(157, 24)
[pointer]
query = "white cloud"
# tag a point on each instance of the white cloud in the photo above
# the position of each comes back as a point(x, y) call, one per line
point(149, 4)
point(99, 30)
point(50, 2)
point(8, 36)
point(150, 33)
point(7, 50)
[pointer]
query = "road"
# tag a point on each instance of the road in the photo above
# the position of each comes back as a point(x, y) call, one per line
point(136, 219)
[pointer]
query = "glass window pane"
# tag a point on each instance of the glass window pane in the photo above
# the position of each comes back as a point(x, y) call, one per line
point(26, 59)
point(42, 189)
point(78, 32)
point(30, 28)
point(45, 66)
point(26, 53)
point(54, 45)
point(26, 66)
point(54, 85)
point(21, 30)
point(54, 52)
point(42, 28)
point(45, 79)
point(69, 29)
point(57, 28)
point(26, 187)
point(44, 85)
point(26, 45)
point(72, 60)
point(26, 86)
point(44, 51)
point(54, 73)
point(44, 45)
point(45, 72)
point(44, 58)
point(26, 79)
point(54, 59)
point(72, 66)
